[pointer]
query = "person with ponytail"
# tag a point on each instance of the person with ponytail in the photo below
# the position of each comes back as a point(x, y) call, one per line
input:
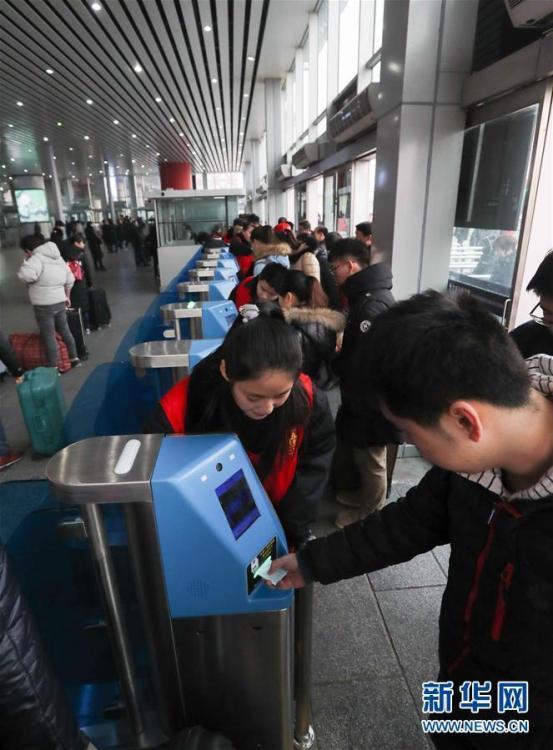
point(305, 308)
point(252, 385)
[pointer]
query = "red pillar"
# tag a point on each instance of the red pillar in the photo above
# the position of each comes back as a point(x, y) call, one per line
point(175, 175)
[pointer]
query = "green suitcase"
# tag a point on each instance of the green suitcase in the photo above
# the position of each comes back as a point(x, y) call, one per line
point(43, 407)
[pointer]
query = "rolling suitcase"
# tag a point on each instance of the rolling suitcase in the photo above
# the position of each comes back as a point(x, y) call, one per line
point(31, 353)
point(75, 322)
point(41, 401)
point(99, 312)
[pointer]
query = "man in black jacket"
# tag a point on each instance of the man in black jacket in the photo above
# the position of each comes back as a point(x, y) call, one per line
point(536, 336)
point(451, 379)
point(359, 464)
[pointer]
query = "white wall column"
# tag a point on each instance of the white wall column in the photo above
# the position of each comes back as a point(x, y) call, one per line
point(275, 200)
point(56, 190)
point(426, 55)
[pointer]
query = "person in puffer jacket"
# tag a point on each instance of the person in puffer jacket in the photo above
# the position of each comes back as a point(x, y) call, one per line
point(450, 378)
point(49, 283)
point(305, 308)
point(267, 249)
point(34, 713)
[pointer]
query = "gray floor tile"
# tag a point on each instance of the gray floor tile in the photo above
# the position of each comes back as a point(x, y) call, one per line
point(442, 556)
point(411, 616)
point(363, 714)
point(349, 638)
point(423, 570)
point(409, 470)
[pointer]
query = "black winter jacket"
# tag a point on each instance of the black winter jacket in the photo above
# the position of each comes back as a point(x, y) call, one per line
point(496, 619)
point(359, 419)
point(34, 714)
point(317, 329)
point(533, 338)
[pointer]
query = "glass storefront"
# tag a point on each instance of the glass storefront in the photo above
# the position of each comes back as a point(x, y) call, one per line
point(343, 216)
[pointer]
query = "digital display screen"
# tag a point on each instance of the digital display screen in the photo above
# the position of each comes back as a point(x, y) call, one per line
point(237, 503)
point(230, 319)
point(32, 205)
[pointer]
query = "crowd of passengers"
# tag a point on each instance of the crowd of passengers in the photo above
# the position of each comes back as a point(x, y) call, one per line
point(316, 311)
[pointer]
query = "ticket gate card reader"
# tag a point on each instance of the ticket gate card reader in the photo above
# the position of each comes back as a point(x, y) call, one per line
point(225, 274)
point(212, 290)
point(231, 263)
point(202, 530)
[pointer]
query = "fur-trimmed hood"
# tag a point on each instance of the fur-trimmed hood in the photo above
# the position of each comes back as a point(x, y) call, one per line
point(265, 250)
point(331, 319)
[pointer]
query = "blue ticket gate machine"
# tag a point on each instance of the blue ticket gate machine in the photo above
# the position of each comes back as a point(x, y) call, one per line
point(201, 534)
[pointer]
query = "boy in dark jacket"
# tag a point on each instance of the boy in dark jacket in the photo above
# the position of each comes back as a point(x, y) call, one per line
point(362, 433)
point(450, 378)
point(536, 336)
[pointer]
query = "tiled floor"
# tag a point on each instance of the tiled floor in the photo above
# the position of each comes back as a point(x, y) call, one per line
point(375, 637)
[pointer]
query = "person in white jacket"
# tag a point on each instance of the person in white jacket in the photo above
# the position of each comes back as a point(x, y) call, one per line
point(49, 282)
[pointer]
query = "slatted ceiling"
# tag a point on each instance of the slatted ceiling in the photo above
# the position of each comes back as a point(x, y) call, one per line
point(93, 55)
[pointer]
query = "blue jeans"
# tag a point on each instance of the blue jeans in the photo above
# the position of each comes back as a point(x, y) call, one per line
point(52, 318)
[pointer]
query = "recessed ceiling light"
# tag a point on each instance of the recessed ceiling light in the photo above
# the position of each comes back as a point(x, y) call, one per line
point(105, 162)
point(25, 170)
point(87, 137)
point(90, 174)
point(138, 68)
point(59, 124)
point(244, 117)
point(133, 161)
point(12, 159)
point(147, 174)
point(10, 125)
point(29, 150)
point(3, 166)
point(96, 7)
point(207, 28)
point(241, 134)
point(181, 135)
point(134, 135)
point(44, 174)
point(50, 176)
point(142, 166)
point(11, 178)
point(165, 160)
point(73, 176)
point(89, 101)
point(116, 122)
point(213, 80)
point(72, 163)
point(147, 146)
point(158, 99)
point(251, 58)
point(157, 153)
point(71, 148)
point(19, 104)
point(50, 71)
point(171, 119)
point(54, 158)
point(100, 172)
point(246, 96)
point(45, 138)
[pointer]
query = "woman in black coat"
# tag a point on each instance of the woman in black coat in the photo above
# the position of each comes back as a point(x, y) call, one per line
point(95, 245)
point(77, 261)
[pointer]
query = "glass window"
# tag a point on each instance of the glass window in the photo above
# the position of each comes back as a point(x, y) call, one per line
point(305, 121)
point(364, 171)
point(375, 73)
point(322, 57)
point(301, 204)
point(221, 180)
point(348, 42)
point(344, 202)
point(290, 204)
point(329, 202)
point(321, 127)
point(315, 190)
point(378, 25)
point(490, 201)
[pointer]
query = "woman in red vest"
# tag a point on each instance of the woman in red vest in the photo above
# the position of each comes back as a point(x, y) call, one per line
point(252, 386)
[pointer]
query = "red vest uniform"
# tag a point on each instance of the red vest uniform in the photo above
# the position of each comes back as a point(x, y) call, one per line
point(279, 479)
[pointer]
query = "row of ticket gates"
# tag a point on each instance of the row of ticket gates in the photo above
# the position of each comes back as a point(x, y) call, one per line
point(180, 535)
